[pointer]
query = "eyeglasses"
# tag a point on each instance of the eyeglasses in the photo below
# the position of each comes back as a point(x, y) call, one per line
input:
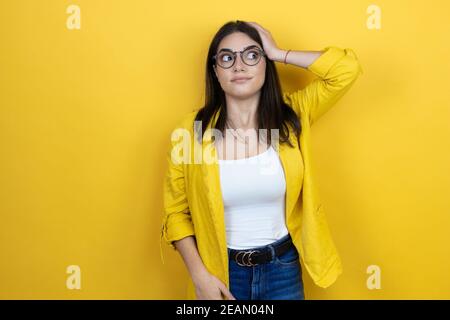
point(250, 56)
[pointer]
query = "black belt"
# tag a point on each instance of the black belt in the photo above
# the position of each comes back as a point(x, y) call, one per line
point(253, 257)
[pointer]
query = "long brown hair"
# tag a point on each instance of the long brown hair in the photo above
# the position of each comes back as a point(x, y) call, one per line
point(272, 112)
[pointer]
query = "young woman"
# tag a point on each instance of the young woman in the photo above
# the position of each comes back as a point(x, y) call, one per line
point(242, 221)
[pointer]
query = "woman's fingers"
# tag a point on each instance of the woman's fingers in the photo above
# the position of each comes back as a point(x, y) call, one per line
point(269, 45)
point(226, 292)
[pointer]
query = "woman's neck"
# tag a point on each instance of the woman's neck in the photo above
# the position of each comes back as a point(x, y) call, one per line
point(243, 113)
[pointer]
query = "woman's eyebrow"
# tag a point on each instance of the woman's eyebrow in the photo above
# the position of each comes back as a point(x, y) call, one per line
point(245, 48)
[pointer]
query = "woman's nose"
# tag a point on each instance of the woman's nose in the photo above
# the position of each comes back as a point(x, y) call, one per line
point(238, 64)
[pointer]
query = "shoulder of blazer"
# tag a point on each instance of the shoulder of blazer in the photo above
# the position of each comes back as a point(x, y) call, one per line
point(187, 121)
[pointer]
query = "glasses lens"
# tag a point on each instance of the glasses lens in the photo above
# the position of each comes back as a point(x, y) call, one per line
point(225, 59)
point(251, 56)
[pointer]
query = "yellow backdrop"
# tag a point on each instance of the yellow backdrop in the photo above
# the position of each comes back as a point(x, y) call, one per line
point(90, 93)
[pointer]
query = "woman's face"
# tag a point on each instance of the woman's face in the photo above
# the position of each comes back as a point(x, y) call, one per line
point(238, 41)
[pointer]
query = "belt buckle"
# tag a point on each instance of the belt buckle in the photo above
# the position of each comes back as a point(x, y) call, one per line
point(249, 256)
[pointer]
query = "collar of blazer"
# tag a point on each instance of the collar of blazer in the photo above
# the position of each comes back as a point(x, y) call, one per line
point(290, 158)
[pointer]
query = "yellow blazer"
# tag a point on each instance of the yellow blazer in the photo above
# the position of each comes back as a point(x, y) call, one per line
point(193, 202)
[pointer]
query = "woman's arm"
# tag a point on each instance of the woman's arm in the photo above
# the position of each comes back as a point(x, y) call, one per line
point(178, 227)
point(298, 58)
point(207, 286)
point(336, 68)
point(187, 247)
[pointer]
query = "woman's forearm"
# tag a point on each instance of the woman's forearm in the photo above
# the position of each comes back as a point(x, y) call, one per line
point(298, 58)
point(187, 247)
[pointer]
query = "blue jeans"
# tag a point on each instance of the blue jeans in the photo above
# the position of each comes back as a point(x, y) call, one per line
point(278, 279)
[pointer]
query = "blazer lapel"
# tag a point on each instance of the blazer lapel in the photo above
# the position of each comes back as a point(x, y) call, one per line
point(290, 167)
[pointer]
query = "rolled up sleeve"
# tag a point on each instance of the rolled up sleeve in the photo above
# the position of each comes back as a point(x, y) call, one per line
point(336, 69)
point(177, 222)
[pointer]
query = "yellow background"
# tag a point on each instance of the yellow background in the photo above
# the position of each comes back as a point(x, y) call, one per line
point(86, 115)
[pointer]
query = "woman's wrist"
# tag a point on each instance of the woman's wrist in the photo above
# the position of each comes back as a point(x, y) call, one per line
point(279, 55)
point(199, 274)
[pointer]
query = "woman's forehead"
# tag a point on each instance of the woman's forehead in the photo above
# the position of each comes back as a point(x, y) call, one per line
point(237, 41)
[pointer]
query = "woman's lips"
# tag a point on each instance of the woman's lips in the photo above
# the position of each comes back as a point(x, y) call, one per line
point(240, 80)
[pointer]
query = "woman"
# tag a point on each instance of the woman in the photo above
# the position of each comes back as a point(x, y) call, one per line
point(243, 221)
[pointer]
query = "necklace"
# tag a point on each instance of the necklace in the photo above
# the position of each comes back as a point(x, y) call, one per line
point(227, 123)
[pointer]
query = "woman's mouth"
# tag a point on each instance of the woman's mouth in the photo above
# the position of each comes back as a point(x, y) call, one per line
point(241, 80)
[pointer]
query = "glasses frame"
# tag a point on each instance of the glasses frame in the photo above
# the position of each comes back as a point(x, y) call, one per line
point(254, 47)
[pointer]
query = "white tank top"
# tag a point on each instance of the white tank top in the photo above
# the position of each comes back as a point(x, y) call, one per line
point(253, 191)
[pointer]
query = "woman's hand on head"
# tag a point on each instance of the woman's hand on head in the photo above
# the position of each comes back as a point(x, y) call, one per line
point(270, 47)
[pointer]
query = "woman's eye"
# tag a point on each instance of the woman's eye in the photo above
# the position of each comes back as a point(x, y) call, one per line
point(252, 55)
point(226, 57)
